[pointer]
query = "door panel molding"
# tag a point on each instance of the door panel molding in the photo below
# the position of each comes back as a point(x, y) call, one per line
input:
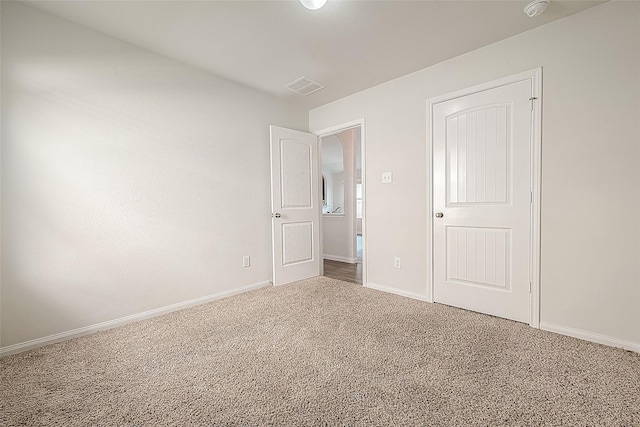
point(535, 78)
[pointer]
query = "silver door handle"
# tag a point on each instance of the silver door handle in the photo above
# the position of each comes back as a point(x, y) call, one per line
point(439, 214)
point(276, 215)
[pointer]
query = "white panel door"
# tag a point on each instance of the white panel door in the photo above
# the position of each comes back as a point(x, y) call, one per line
point(482, 201)
point(294, 205)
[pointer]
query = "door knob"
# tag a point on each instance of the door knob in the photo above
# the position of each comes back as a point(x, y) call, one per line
point(276, 215)
point(439, 214)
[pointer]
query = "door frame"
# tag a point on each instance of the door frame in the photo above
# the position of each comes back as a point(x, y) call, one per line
point(330, 131)
point(535, 76)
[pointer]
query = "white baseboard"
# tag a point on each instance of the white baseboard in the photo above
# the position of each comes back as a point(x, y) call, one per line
point(339, 258)
point(86, 330)
point(590, 336)
point(396, 291)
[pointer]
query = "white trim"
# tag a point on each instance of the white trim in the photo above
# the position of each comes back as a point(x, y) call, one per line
point(536, 189)
point(526, 75)
point(86, 330)
point(330, 131)
point(590, 336)
point(339, 128)
point(535, 76)
point(339, 258)
point(396, 291)
point(429, 134)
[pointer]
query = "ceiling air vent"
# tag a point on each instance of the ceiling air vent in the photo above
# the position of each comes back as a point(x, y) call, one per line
point(304, 86)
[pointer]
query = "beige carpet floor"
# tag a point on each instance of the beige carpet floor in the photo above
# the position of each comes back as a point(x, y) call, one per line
point(322, 353)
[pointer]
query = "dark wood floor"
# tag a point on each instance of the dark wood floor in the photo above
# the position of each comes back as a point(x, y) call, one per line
point(343, 271)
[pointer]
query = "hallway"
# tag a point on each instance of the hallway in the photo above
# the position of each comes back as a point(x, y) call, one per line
point(344, 271)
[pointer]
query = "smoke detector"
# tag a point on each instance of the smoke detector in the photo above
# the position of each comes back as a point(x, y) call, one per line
point(536, 7)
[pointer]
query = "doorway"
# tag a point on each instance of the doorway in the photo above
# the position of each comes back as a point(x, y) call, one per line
point(342, 224)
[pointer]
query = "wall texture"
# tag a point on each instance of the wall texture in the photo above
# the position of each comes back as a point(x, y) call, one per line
point(590, 278)
point(129, 182)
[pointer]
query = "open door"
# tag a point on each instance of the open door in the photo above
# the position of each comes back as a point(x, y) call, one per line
point(295, 209)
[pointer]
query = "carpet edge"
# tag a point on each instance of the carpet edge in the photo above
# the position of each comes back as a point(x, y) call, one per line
point(590, 336)
point(121, 321)
point(395, 291)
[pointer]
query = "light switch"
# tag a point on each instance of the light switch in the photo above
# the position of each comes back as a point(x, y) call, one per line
point(387, 177)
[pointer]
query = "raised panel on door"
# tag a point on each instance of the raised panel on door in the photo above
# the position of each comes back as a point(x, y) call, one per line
point(297, 242)
point(478, 147)
point(479, 256)
point(295, 174)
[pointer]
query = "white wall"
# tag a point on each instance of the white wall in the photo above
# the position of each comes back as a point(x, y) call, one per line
point(338, 231)
point(590, 279)
point(129, 182)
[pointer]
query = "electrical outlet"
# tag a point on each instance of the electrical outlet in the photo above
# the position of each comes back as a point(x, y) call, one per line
point(387, 177)
point(396, 262)
point(246, 261)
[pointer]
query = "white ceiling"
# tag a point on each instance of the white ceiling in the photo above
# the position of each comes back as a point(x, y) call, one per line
point(347, 46)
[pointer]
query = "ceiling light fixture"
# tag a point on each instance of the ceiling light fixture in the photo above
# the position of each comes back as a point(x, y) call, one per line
point(313, 4)
point(536, 7)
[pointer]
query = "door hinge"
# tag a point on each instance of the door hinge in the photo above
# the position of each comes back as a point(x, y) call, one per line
point(532, 99)
point(529, 286)
point(530, 197)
